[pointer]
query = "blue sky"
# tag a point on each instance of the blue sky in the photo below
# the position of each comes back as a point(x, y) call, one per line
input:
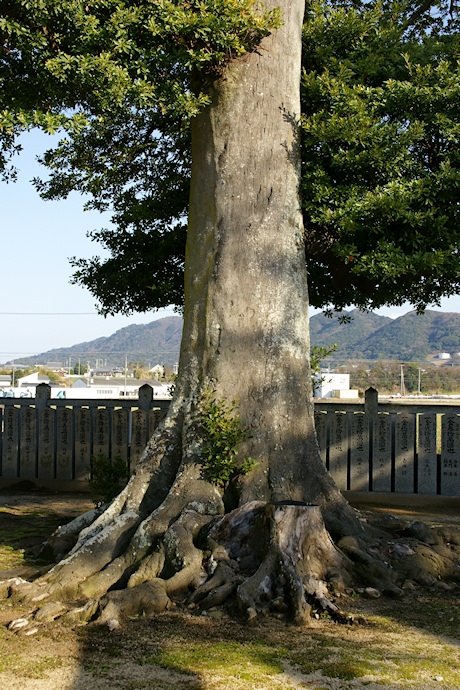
point(40, 309)
point(37, 239)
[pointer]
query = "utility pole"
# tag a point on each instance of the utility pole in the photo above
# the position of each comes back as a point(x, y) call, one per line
point(403, 391)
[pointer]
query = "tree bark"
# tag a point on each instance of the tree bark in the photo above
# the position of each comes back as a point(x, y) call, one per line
point(246, 330)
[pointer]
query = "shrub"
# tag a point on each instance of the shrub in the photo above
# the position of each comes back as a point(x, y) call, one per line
point(108, 477)
point(223, 431)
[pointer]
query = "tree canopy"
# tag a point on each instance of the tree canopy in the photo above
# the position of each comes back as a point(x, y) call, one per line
point(380, 154)
point(380, 128)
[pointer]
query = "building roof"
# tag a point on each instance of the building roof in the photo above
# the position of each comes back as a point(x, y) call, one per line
point(80, 383)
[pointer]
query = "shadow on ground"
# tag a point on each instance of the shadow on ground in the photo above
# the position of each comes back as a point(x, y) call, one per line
point(408, 643)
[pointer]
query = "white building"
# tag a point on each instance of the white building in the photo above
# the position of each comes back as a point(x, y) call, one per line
point(106, 389)
point(31, 380)
point(328, 385)
point(443, 355)
point(158, 371)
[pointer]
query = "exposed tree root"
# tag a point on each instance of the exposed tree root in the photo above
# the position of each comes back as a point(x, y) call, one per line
point(262, 558)
point(291, 562)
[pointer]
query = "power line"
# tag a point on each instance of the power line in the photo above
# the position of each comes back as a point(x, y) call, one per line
point(49, 313)
point(94, 353)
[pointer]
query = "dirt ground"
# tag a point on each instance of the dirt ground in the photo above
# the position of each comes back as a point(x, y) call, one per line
point(408, 643)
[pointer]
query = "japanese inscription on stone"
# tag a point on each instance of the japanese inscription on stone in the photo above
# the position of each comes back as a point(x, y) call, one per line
point(101, 433)
point(82, 443)
point(381, 465)
point(404, 453)
point(338, 449)
point(28, 442)
point(321, 433)
point(138, 436)
point(10, 442)
point(359, 452)
point(64, 443)
point(450, 455)
point(120, 434)
point(155, 417)
point(46, 421)
point(427, 456)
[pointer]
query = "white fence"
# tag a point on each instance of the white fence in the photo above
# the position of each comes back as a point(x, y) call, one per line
point(367, 446)
point(392, 446)
point(52, 442)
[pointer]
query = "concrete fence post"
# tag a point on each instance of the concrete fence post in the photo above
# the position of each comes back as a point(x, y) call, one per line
point(42, 394)
point(371, 401)
point(145, 397)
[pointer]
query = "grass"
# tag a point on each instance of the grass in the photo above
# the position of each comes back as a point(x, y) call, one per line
point(253, 661)
point(35, 667)
point(403, 644)
point(386, 652)
point(434, 613)
point(175, 651)
point(13, 553)
point(22, 531)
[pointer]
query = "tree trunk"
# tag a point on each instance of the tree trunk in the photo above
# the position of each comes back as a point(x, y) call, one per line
point(246, 331)
point(245, 336)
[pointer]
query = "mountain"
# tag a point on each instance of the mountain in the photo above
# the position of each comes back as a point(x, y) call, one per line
point(414, 337)
point(157, 342)
point(326, 331)
point(411, 337)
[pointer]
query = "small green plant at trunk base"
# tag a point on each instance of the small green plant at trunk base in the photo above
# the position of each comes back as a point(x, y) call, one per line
point(223, 432)
point(108, 477)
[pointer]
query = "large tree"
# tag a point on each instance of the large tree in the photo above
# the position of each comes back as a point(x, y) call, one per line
point(236, 73)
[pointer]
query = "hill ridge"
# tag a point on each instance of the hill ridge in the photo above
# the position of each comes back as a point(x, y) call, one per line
point(410, 337)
